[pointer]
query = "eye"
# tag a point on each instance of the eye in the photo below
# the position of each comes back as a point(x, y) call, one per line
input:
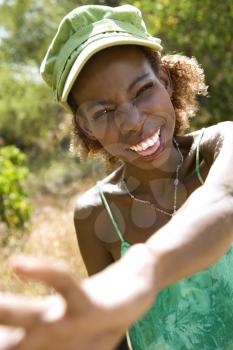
point(103, 113)
point(144, 88)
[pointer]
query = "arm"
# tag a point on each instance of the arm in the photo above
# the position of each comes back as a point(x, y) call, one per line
point(200, 233)
point(95, 257)
point(218, 145)
point(202, 230)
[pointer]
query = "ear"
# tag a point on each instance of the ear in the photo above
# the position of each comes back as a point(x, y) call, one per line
point(165, 78)
point(83, 123)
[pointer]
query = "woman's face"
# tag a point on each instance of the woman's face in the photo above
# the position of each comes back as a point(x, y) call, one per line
point(125, 106)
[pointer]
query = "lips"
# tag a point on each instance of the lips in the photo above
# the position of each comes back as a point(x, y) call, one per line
point(150, 147)
point(145, 141)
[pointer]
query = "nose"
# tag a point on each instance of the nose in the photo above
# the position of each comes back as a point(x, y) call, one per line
point(128, 117)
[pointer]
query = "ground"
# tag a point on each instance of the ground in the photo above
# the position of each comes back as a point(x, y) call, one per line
point(51, 234)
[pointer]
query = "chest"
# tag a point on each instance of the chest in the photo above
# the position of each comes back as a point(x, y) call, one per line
point(137, 220)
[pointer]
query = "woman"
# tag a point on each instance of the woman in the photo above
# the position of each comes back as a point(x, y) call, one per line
point(133, 106)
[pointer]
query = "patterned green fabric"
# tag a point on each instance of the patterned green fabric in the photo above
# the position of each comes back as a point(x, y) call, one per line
point(196, 313)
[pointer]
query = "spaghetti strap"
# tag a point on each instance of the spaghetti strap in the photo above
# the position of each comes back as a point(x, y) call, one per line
point(200, 178)
point(106, 205)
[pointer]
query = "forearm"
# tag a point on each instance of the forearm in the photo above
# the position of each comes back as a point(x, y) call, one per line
point(195, 238)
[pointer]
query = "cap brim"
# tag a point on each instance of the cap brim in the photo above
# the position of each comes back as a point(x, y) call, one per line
point(99, 45)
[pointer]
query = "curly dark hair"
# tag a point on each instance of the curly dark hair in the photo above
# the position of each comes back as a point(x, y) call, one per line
point(188, 81)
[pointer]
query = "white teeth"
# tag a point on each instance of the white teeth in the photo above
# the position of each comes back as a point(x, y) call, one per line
point(155, 138)
point(150, 142)
point(142, 146)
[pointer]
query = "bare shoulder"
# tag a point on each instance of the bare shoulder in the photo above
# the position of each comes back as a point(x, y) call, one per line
point(222, 129)
point(89, 203)
point(89, 228)
point(87, 207)
point(217, 148)
point(213, 139)
point(216, 137)
point(218, 131)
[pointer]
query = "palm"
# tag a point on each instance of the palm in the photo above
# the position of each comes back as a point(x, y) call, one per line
point(91, 314)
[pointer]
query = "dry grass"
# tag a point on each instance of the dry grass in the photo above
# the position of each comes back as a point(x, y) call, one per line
point(52, 235)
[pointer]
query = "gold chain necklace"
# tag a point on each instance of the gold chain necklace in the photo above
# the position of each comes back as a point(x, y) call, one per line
point(176, 183)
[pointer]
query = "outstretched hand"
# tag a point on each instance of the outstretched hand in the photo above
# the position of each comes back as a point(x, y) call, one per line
point(83, 315)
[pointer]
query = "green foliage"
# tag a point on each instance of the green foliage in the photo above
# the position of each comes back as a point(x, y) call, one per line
point(27, 113)
point(31, 24)
point(15, 208)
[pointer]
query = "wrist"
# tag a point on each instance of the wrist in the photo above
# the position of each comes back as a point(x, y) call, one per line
point(145, 263)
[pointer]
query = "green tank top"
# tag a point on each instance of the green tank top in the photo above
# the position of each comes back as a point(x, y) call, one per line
point(195, 313)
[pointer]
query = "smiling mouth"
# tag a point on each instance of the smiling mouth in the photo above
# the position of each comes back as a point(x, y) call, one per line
point(149, 146)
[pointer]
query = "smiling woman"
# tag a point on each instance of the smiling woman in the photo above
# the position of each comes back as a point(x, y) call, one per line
point(126, 117)
point(186, 81)
point(161, 220)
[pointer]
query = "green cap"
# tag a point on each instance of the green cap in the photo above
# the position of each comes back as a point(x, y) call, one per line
point(85, 31)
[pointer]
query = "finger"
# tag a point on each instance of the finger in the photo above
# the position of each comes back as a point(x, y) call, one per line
point(11, 338)
point(19, 312)
point(54, 274)
point(35, 340)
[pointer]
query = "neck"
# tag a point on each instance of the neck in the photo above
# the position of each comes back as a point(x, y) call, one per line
point(153, 181)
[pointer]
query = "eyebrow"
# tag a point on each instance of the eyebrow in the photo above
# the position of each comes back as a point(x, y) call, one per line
point(103, 102)
point(141, 77)
point(92, 104)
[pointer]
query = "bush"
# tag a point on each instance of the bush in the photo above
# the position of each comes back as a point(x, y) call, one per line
point(15, 208)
